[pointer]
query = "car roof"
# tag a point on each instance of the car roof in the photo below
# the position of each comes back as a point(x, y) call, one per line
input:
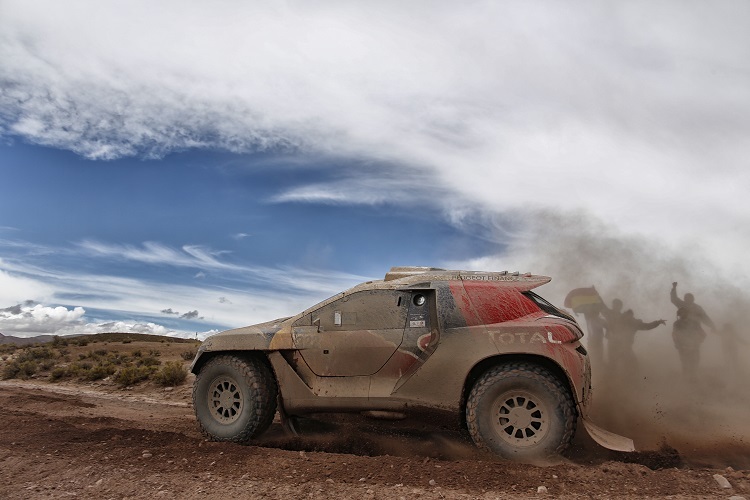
point(413, 277)
point(421, 274)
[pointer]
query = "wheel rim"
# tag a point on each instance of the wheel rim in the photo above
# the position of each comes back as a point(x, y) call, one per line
point(225, 399)
point(520, 418)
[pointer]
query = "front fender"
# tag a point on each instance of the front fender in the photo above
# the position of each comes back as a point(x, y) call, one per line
point(262, 337)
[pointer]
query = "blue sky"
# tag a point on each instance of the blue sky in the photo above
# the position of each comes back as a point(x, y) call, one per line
point(207, 220)
point(238, 162)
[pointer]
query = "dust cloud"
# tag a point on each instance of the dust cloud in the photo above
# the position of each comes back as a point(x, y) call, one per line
point(651, 400)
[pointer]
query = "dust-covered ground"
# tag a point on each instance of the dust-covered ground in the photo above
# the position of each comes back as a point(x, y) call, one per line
point(101, 441)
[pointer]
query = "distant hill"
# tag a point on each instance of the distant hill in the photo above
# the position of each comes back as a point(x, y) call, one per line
point(10, 339)
point(96, 337)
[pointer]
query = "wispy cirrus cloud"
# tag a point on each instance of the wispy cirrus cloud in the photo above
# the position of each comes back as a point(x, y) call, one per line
point(236, 294)
point(192, 256)
point(396, 186)
point(155, 253)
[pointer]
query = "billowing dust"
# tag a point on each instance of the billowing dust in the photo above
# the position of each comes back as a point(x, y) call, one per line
point(706, 418)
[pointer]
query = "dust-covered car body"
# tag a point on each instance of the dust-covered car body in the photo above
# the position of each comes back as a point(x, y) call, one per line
point(421, 339)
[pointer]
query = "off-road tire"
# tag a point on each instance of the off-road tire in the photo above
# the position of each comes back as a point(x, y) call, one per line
point(234, 398)
point(521, 411)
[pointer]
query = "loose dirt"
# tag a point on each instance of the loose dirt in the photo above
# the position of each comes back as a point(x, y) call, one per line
point(96, 440)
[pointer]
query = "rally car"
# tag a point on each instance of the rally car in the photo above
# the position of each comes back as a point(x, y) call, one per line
point(480, 345)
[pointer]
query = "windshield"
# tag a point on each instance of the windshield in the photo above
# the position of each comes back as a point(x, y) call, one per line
point(546, 306)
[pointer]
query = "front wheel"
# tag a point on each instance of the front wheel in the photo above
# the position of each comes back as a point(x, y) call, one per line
point(521, 411)
point(234, 398)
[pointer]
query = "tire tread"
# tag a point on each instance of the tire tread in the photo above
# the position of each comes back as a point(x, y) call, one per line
point(530, 371)
point(257, 376)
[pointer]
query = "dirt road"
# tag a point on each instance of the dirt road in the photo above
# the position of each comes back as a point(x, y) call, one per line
point(101, 441)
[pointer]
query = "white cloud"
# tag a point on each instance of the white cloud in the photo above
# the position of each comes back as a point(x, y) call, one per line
point(391, 185)
point(237, 295)
point(122, 327)
point(289, 279)
point(15, 289)
point(636, 112)
point(38, 319)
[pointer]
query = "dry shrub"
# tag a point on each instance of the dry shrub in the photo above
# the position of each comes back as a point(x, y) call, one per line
point(171, 374)
point(11, 369)
point(131, 375)
point(149, 361)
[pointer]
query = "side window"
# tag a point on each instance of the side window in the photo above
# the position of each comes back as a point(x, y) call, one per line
point(366, 310)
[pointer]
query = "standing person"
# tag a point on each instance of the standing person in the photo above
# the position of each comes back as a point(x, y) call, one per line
point(688, 333)
point(612, 315)
point(587, 301)
point(620, 339)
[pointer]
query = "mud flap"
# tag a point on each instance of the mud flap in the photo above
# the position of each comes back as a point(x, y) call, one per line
point(288, 422)
point(608, 439)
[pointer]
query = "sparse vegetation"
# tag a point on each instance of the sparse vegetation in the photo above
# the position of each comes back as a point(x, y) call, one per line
point(58, 341)
point(67, 359)
point(100, 371)
point(36, 353)
point(131, 375)
point(148, 361)
point(8, 348)
point(171, 374)
point(11, 369)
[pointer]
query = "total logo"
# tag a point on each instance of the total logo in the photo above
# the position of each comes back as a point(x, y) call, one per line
point(524, 338)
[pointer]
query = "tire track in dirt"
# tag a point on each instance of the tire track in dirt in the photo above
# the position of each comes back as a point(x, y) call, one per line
point(100, 442)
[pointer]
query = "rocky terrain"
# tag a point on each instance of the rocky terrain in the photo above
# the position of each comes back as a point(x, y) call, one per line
point(99, 439)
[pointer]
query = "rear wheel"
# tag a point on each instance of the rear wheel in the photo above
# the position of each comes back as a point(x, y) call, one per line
point(234, 398)
point(521, 411)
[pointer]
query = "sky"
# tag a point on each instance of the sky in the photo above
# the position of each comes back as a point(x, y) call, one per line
point(182, 168)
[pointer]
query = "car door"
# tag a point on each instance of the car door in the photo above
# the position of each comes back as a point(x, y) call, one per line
point(354, 335)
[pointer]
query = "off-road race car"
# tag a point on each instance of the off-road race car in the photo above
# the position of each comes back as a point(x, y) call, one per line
point(480, 345)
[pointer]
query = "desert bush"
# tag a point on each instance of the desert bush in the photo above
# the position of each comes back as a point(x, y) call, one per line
point(36, 353)
point(131, 375)
point(46, 365)
point(58, 373)
point(148, 361)
point(171, 374)
point(137, 354)
point(100, 371)
point(11, 369)
point(8, 348)
point(83, 342)
point(58, 341)
point(188, 355)
point(126, 341)
point(27, 369)
point(100, 352)
point(118, 359)
point(154, 353)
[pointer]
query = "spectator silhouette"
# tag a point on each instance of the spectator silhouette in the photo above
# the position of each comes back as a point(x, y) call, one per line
point(687, 332)
point(620, 340)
